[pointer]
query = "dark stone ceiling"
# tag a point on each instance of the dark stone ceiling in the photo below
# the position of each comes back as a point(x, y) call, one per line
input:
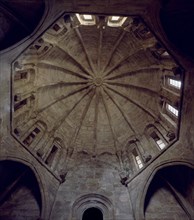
point(177, 18)
point(18, 19)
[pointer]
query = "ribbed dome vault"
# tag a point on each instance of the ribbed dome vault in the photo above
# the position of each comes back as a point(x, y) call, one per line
point(93, 84)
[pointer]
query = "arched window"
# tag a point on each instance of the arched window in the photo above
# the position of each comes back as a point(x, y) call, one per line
point(20, 104)
point(24, 104)
point(29, 139)
point(172, 110)
point(174, 83)
point(137, 158)
point(35, 134)
point(59, 28)
point(93, 206)
point(53, 156)
point(156, 137)
point(135, 155)
point(173, 80)
point(140, 30)
point(23, 74)
point(40, 47)
point(50, 158)
point(92, 213)
point(158, 140)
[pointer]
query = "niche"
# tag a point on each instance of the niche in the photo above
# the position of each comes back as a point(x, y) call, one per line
point(159, 52)
point(20, 196)
point(92, 213)
point(140, 30)
point(134, 155)
point(170, 194)
point(35, 134)
point(20, 75)
point(91, 206)
point(157, 140)
point(137, 158)
point(55, 155)
point(29, 139)
point(156, 137)
point(56, 27)
point(40, 47)
point(50, 158)
point(20, 104)
point(27, 102)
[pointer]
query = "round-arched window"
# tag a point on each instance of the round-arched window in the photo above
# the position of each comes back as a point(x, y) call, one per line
point(92, 213)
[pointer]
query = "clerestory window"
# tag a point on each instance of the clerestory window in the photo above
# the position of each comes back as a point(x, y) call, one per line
point(175, 83)
point(158, 141)
point(138, 159)
point(86, 19)
point(116, 21)
point(172, 110)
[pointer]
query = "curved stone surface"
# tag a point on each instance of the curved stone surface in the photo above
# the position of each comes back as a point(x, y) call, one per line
point(97, 88)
